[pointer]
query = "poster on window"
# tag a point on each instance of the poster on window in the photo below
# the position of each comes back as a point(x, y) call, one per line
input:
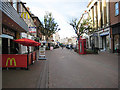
point(32, 29)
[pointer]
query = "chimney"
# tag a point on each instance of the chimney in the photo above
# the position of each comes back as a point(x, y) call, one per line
point(28, 8)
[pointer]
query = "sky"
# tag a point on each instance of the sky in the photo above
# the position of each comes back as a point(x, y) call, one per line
point(62, 10)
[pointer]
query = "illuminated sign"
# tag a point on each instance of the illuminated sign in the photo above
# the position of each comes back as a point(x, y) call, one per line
point(25, 14)
point(32, 29)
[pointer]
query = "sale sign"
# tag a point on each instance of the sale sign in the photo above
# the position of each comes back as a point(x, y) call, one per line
point(32, 29)
point(34, 56)
point(14, 60)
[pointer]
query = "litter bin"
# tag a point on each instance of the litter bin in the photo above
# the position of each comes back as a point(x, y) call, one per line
point(96, 50)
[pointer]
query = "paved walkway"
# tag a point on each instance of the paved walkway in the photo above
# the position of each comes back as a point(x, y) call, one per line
point(35, 77)
point(67, 69)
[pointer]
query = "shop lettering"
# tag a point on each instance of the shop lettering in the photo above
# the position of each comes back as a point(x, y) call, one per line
point(11, 60)
point(9, 32)
point(26, 14)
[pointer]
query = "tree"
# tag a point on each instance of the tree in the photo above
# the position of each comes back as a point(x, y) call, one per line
point(77, 26)
point(49, 27)
point(82, 27)
point(88, 25)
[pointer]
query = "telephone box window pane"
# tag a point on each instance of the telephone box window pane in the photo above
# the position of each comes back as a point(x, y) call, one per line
point(80, 46)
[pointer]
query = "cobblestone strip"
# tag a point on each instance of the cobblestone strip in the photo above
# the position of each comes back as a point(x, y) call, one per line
point(43, 79)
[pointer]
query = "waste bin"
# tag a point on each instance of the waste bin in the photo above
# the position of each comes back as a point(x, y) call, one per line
point(96, 50)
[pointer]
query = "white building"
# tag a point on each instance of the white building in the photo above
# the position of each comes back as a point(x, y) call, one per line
point(56, 38)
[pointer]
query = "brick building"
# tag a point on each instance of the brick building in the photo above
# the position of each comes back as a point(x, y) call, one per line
point(115, 24)
point(37, 22)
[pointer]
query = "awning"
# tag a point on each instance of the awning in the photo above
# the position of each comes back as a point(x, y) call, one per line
point(6, 36)
point(104, 34)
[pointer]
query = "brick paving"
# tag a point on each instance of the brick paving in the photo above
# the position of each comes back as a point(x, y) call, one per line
point(35, 77)
point(67, 69)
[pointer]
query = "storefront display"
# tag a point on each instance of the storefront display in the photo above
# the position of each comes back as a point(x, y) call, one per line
point(8, 46)
point(105, 39)
point(116, 42)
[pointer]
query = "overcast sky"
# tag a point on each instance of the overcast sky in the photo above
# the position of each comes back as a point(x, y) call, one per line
point(63, 11)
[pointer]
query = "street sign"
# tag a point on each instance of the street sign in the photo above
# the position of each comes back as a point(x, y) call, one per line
point(42, 53)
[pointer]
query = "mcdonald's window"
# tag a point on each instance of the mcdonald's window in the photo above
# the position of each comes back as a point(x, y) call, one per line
point(116, 9)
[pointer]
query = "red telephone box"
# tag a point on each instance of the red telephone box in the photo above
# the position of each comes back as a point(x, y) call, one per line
point(82, 46)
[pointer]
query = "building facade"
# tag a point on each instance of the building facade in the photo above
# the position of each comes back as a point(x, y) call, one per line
point(115, 25)
point(99, 13)
point(27, 17)
point(37, 22)
point(12, 26)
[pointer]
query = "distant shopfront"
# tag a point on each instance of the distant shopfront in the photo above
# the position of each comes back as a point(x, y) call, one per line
point(116, 37)
point(105, 39)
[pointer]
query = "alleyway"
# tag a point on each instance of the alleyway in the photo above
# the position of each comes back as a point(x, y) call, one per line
point(67, 69)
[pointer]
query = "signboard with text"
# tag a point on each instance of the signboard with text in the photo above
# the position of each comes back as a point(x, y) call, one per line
point(32, 29)
point(14, 60)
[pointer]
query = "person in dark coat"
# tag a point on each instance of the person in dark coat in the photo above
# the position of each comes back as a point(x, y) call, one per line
point(71, 47)
point(93, 46)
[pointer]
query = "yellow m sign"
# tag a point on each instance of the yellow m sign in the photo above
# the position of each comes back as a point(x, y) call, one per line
point(26, 14)
point(11, 60)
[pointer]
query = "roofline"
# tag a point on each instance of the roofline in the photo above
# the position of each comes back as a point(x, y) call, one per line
point(37, 19)
point(89, 3)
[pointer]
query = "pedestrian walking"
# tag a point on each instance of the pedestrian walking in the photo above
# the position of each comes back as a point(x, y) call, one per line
point(93, 46)
point(71, 47)
point(62, 46)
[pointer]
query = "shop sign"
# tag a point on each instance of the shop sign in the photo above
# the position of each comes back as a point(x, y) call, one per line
point(42, 53)
point(24, 35)
point(14, 60)
point(32, 29)
point(25, 14)
point(8, 32)
point(104, 33)
point(11, 61)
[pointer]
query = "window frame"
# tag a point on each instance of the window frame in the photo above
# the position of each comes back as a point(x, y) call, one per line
point(117, 9)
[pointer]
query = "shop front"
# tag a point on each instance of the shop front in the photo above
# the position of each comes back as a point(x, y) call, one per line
point(116, 38)
point(105, 39)
point(12, 27)
point(93, 40)
point(8, 46)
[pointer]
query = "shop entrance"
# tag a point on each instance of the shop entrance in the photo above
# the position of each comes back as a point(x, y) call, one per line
point(105, 43)
point(9, 46)
point(116, 43)
point(5, 46)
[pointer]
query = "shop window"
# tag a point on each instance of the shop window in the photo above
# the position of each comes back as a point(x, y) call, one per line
point(116, 9)
point(116, 42)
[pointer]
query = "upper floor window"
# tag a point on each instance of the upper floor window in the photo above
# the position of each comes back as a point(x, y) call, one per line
point(116, 9)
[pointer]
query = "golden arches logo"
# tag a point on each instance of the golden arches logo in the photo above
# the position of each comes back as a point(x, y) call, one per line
point(25, 14)
point(13, 59)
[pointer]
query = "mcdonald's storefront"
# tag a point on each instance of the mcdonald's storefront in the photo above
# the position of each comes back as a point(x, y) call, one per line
point(11, 30)
point(10, 50)
point(8, 35)
point(11, 56)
